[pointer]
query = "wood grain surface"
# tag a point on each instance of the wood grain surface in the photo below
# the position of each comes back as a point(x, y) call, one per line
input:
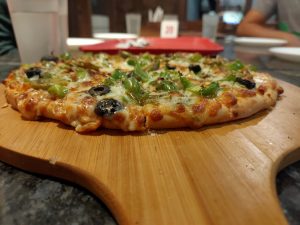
point(221, 174)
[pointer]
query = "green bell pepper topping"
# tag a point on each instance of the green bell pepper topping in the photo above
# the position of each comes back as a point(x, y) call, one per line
point(66, 56)
point(230, 77)
point(210, 91)
point(236, 65)
point(185, 82)
point(131, 62)
point(58, 90)
point(118, 75)
point(194, 89)
point(165, 75)
point(195, 57)
point(109, 81)
point(81, 73)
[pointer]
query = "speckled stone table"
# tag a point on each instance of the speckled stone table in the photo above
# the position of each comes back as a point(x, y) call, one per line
point(31, 199)
point(288, 190)
point(27, 198)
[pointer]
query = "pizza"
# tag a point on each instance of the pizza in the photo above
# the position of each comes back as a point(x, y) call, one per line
point(139, 92)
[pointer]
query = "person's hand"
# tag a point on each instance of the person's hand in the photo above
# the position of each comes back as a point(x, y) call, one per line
point(292, 40)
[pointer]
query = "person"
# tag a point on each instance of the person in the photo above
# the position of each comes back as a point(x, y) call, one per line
point(287, 15)
point(7, 37)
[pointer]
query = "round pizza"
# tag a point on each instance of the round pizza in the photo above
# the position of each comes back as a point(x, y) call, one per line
point(139, 92)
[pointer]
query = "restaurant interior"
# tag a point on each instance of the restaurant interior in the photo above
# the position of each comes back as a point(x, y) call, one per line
point(103, 16)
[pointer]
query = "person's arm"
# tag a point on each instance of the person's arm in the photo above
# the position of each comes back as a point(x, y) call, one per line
point(254, 25)
point(7, 39)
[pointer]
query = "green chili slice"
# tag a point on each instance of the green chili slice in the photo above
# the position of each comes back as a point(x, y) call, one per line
point(185, 82)
point(211, 90)
point(166, 85)
point(140, 73)
point(135, 90)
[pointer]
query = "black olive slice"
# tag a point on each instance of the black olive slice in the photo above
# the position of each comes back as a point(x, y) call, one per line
point(195, 68)
point(247, 83)
point(33, 71)
point(108, 107)
point(99, 90)
point(49, 58)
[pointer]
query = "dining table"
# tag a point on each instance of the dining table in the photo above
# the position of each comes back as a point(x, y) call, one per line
point(30, 198)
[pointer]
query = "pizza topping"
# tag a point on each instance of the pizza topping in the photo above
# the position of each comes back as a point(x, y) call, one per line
point(230, 77)
point(154, 66)
point(33, 71)
point(246, 93)
point(236, 65)
point(131, 62)
point(66, 56)
point(164, 85)
point(58, 90)
point(186, 83)
point(116, 75)
point(170, 67)
point(280, 90)
point(49, 58)
point(81, 73)
point(140, 73)
point(135, 90)
point(199, 108)
point(125, 54)
point(262, 89)
point(214, 108)
point(180, 108)
point(195, 68)
point(156, 115)
point(247, 83)
point(196, 57)
point(99, 90)
point(228, 99)
point(108, 107)
point(211, 90)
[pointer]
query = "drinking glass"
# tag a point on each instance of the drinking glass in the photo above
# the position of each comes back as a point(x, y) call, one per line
point(133, 23)
point(210, 24)
point(40, 27)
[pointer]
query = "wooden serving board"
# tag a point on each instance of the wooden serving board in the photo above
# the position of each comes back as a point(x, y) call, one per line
point(222, 174)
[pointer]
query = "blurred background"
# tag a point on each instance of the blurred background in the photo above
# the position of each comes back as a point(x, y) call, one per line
point(109, 16)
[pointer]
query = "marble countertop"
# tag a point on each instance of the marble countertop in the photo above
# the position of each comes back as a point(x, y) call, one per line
point(27, 198)
point(33, 199)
